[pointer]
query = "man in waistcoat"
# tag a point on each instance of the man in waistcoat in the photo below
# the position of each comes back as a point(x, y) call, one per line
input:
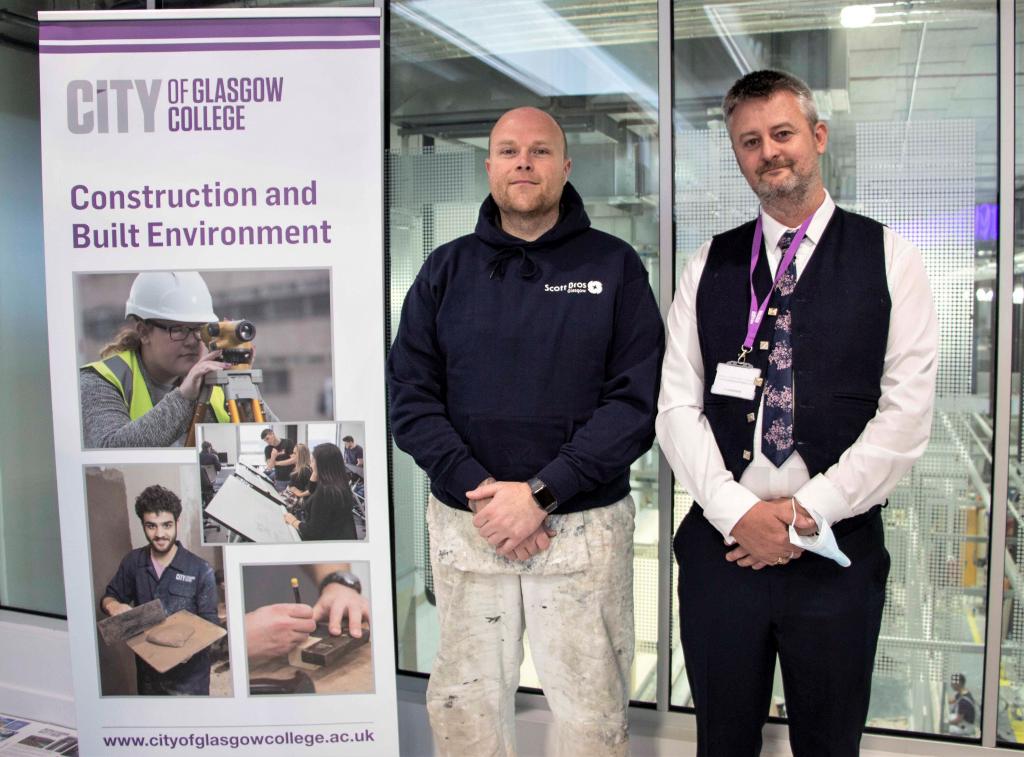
point(797, 390)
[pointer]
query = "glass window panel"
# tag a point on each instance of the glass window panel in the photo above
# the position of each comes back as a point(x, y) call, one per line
point(1010, 723)
point(250, 445)
point(322, 433)
point(453, 72)
point(30, 559)
point(910, 101)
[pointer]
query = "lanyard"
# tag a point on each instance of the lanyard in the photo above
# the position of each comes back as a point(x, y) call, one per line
point(757, 309)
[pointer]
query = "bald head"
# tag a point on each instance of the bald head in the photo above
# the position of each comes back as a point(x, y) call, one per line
point(526, 170)
point(531, 116)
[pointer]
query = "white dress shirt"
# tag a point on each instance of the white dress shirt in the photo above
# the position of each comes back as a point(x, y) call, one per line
point(872, 466)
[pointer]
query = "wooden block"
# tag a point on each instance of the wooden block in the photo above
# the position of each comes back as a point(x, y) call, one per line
point(330, 650)
point(131, 623)
point(353, 676)
point(295, 656)
point(165, 658)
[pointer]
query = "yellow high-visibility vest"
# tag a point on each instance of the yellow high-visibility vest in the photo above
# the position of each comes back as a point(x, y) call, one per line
point(123, 371)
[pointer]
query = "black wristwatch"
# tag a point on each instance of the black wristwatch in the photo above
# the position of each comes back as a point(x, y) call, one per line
point(542, 495)
point(344, 578)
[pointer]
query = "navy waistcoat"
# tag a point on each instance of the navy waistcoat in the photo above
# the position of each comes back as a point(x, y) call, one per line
point(840, 311)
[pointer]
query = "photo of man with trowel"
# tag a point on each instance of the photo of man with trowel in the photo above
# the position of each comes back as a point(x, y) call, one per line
point(181, 581)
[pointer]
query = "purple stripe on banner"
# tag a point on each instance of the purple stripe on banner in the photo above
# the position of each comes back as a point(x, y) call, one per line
point(194, 28)
point(213, 46)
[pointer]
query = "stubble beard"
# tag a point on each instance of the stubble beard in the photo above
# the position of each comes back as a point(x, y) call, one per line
point(526, 216)
point(792, 193)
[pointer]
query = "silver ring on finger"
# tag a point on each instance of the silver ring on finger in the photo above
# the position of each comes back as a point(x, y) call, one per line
point(780, 561)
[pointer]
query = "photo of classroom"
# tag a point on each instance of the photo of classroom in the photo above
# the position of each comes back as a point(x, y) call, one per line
point(282, 483)
point(159, 593)
point(307, 628)
point(146, 341)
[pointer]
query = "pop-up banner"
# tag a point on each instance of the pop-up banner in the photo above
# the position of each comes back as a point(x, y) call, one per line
point(212, 193)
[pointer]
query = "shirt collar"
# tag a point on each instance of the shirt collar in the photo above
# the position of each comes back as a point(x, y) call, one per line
point(182, 561)
point(773, 230)
point(179, 562)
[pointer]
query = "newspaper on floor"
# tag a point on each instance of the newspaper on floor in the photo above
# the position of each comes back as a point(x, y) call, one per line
point(31, 739)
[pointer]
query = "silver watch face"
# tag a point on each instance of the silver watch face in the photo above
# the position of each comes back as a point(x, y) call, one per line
point(545, 501)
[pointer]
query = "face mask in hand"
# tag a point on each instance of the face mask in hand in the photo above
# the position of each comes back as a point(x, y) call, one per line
point(824, 543)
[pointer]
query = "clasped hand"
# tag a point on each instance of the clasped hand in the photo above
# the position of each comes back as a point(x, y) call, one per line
point(506, 515)
point(762, 534)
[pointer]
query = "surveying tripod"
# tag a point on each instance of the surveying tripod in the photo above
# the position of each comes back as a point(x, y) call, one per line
point(241, 394)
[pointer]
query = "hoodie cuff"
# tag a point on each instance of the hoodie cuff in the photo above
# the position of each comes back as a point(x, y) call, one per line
point(465, 477)
point(561, 479)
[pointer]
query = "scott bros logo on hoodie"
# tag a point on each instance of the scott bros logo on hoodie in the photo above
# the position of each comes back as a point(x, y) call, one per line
point(576, 287)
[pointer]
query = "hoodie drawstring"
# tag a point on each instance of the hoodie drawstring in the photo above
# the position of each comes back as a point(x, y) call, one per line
point(499, 261)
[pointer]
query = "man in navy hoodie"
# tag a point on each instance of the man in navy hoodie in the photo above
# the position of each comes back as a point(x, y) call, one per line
point(523, 380)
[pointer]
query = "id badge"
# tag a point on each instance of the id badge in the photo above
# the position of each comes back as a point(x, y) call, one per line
point(735, 379)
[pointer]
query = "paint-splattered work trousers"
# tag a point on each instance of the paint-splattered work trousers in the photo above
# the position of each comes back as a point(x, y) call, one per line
point(575, 602)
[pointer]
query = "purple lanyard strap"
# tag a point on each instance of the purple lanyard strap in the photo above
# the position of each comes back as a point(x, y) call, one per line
point(757, 309)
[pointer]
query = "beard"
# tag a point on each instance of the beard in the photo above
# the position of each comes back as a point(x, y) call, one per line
point(158, 550)
point(793, 190)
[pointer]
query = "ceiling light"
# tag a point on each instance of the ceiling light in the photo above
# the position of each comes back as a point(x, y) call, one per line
point(857, 16)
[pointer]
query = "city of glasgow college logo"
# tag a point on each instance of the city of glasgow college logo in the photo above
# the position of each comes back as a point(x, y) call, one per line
point(576, 287)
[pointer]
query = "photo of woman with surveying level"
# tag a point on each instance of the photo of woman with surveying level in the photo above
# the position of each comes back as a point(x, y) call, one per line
point(144, 389)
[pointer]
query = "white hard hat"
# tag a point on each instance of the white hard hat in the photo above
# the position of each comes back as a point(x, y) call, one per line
point(179, 296)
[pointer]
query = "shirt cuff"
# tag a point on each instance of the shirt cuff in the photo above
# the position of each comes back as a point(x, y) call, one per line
point(819, 496)
point(465, 477)
point(730, 503)
point(561, 479)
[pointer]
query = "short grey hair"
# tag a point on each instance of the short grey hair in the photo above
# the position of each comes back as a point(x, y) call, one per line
point(763, 84)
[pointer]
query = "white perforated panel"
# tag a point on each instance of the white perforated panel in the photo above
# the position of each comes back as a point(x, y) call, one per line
point(711, 196)
point(918, 178)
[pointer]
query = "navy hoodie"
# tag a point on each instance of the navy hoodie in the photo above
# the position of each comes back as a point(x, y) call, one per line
point(516, 359)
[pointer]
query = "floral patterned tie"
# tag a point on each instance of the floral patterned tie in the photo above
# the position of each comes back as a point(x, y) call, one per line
point(777, 424)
